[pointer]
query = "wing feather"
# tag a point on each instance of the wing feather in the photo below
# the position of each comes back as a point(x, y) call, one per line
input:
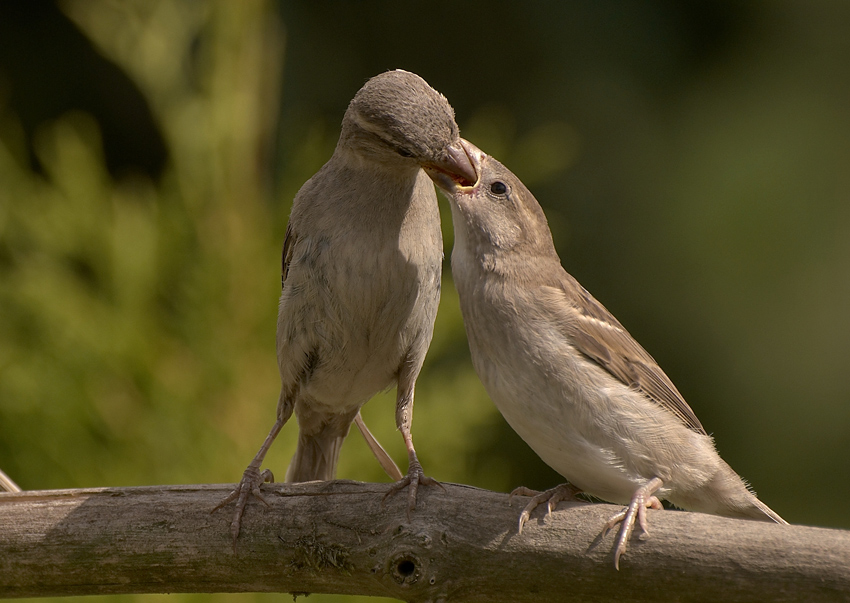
point(599, 336)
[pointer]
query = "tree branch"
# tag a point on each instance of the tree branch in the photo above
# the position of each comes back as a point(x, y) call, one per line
point(460, 545)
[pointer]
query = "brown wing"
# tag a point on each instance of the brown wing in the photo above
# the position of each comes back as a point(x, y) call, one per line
point(599, 336)
point(286, 256)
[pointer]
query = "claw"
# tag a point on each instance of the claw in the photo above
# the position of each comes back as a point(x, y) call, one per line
point(414, 477)
point(248, 486)
point(642, 500)
point(552, 497)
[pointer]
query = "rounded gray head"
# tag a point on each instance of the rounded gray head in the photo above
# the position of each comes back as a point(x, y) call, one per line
point(397, 117)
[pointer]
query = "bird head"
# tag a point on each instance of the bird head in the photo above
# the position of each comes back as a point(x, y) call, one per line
point(496, 213)
point(396, 118)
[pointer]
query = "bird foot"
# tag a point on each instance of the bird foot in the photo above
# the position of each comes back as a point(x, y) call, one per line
point(551, 497)
point(642, 500)
point(415, 476)
point(250, 484)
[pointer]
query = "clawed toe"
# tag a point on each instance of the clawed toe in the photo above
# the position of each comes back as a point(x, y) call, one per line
point(616, 519)
point(634, 513)
point(415, 476)
point(522, 491)
point(551, 497)
point(249, 485)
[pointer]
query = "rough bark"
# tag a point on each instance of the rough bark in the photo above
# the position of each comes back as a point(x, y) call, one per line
point(459, 545)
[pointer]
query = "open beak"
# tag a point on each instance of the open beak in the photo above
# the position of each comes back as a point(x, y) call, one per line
point(459, 169)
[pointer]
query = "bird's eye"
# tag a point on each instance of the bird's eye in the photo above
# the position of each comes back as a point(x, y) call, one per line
point(498, 188)
point(404, 152)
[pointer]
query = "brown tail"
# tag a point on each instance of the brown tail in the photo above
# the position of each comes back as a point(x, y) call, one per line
point(773, 515)
point(728, 495)
point(734, 498)
point(317, 453)
point(316, 456)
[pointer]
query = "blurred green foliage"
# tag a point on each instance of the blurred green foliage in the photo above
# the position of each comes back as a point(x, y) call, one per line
point(692, 159)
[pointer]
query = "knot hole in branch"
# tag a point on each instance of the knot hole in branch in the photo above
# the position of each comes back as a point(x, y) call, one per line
point(405, 568)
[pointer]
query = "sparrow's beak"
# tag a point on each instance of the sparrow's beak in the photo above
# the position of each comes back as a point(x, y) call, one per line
point(459, 168)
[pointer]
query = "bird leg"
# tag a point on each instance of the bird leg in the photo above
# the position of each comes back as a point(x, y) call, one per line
point(252, 478)
point(552, 497)
point(7, 484)
point(404, 419)
point(382, 455)
point(642, 499)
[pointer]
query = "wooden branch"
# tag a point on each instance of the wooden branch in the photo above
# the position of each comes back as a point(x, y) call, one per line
point(460, 545)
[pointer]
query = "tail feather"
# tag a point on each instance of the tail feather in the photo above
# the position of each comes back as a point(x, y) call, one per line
point(769, 512)
point(316, 457)
point(728, 495)
point(317, 454)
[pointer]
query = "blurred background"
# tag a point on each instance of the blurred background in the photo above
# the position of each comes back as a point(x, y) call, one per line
point(693, 159)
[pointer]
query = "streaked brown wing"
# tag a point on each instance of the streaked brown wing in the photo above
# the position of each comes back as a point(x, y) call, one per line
point(599, 336)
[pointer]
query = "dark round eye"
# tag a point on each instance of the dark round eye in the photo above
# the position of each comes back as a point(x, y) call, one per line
point(498, 188)
point(404, 152)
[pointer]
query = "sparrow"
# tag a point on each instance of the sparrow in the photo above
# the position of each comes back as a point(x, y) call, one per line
point(361, 268)
point(566, 375)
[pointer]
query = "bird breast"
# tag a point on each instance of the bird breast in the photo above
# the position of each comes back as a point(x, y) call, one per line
point(601, 435)
point(359, 295)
